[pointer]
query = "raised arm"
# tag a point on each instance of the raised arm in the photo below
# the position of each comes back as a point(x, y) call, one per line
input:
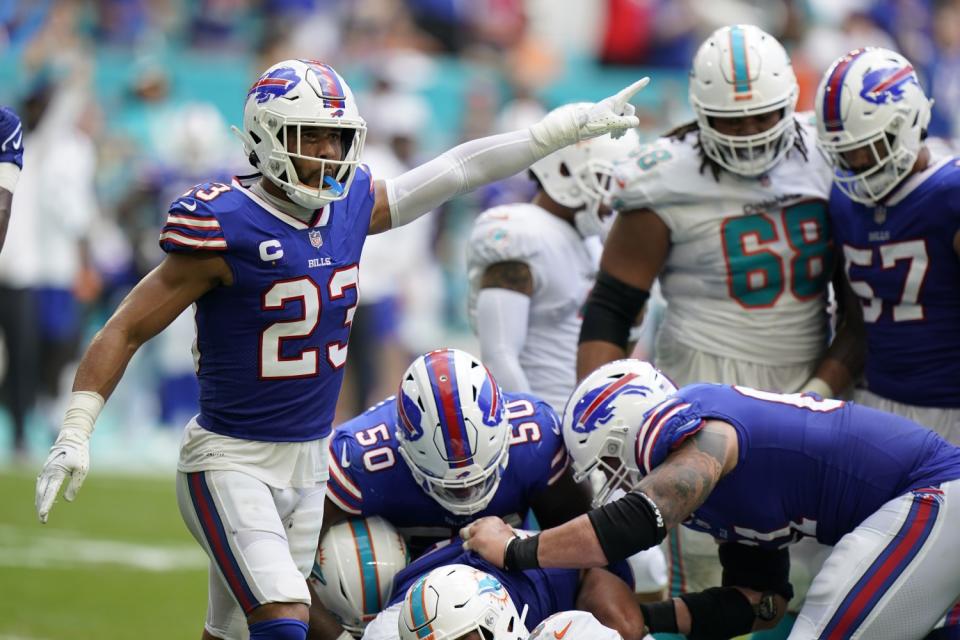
point(478, 162)
point(152, 305)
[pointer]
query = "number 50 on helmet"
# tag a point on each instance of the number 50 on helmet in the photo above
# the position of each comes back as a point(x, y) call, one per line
point(604, 415)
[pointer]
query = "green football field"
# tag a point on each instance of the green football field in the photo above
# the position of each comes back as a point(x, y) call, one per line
point(117, 563)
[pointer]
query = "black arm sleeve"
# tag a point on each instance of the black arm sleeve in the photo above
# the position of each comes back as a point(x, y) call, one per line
point(756, 568)
point(628, 525)
point(611, 309)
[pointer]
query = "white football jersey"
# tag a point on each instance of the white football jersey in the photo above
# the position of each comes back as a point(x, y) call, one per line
point(573, 625)
point(749, 259)
point(563, 268)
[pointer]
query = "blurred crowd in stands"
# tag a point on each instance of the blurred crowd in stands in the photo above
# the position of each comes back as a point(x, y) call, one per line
point(127, 103)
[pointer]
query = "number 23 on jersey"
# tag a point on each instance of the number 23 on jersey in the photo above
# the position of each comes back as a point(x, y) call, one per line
point(307, 294)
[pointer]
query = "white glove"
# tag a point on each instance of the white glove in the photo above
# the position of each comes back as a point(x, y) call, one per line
point(613, 115)
point(70, 454)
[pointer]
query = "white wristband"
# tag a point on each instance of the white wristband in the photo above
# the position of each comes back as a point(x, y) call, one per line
point(818, 386)
point(82, 412)
point(344, 635)
point(9, 173)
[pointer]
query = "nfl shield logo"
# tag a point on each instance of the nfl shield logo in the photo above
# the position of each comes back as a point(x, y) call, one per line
point(315, 238)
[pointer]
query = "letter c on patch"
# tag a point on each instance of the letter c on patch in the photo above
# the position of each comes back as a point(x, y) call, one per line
point(270, 250)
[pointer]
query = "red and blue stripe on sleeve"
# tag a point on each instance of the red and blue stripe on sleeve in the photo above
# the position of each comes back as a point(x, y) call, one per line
point(191, 229)
point(341, 489)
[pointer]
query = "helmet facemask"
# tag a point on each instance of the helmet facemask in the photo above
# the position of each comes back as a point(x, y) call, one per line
point(595, 181)
point(464, 493)
point(750, 155)
point(893, 159)
point(613, 462)
point(338, 173)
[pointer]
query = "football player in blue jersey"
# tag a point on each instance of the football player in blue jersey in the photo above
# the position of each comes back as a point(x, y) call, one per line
point(11, 162)
point(451, 446)
point(436, 594)
point(759, 470)
point(270, 261)
point(895, 209)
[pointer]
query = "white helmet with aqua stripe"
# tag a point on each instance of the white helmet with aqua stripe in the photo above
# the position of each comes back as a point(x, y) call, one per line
point(741, 71)
point(353, 574)
point(454, 600)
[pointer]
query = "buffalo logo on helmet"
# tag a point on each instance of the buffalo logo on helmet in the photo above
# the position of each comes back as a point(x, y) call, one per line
point(410, 415)
point(598, 406)
point(275, 83)
point(489, 401)
point(883, 86)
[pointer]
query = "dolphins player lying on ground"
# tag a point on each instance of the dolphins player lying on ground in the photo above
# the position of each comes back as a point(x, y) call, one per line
point(605, 592)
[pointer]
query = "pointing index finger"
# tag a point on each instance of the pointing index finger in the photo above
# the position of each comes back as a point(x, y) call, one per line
point(624, 95)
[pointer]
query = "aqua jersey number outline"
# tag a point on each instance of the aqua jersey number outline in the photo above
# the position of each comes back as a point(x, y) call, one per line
point(808, 236)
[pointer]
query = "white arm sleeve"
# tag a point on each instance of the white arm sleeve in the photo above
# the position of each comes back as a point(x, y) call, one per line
point(502, 317)
point(478, 162)
point(461, 169)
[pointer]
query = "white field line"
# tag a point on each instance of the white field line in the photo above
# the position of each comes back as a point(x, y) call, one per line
point(62, 550)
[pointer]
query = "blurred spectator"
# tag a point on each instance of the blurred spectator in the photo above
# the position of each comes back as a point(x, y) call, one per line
point(943, 76)
point(196, 147)
point(649, 32)
point(910, 22)
point(120, 22)
point(45, 275)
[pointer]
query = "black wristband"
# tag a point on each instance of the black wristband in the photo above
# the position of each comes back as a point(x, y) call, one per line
point(719, 613)
point(627, 525)
point(660, 617)
point(521, 554)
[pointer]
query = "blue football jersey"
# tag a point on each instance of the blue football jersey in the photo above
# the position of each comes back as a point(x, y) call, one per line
point(806, 466)
point(544, 591)
point(901, 262)
point(369, 477)
point(270, 349)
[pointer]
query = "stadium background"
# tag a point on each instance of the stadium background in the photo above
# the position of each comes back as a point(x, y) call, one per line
point(130, 102)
